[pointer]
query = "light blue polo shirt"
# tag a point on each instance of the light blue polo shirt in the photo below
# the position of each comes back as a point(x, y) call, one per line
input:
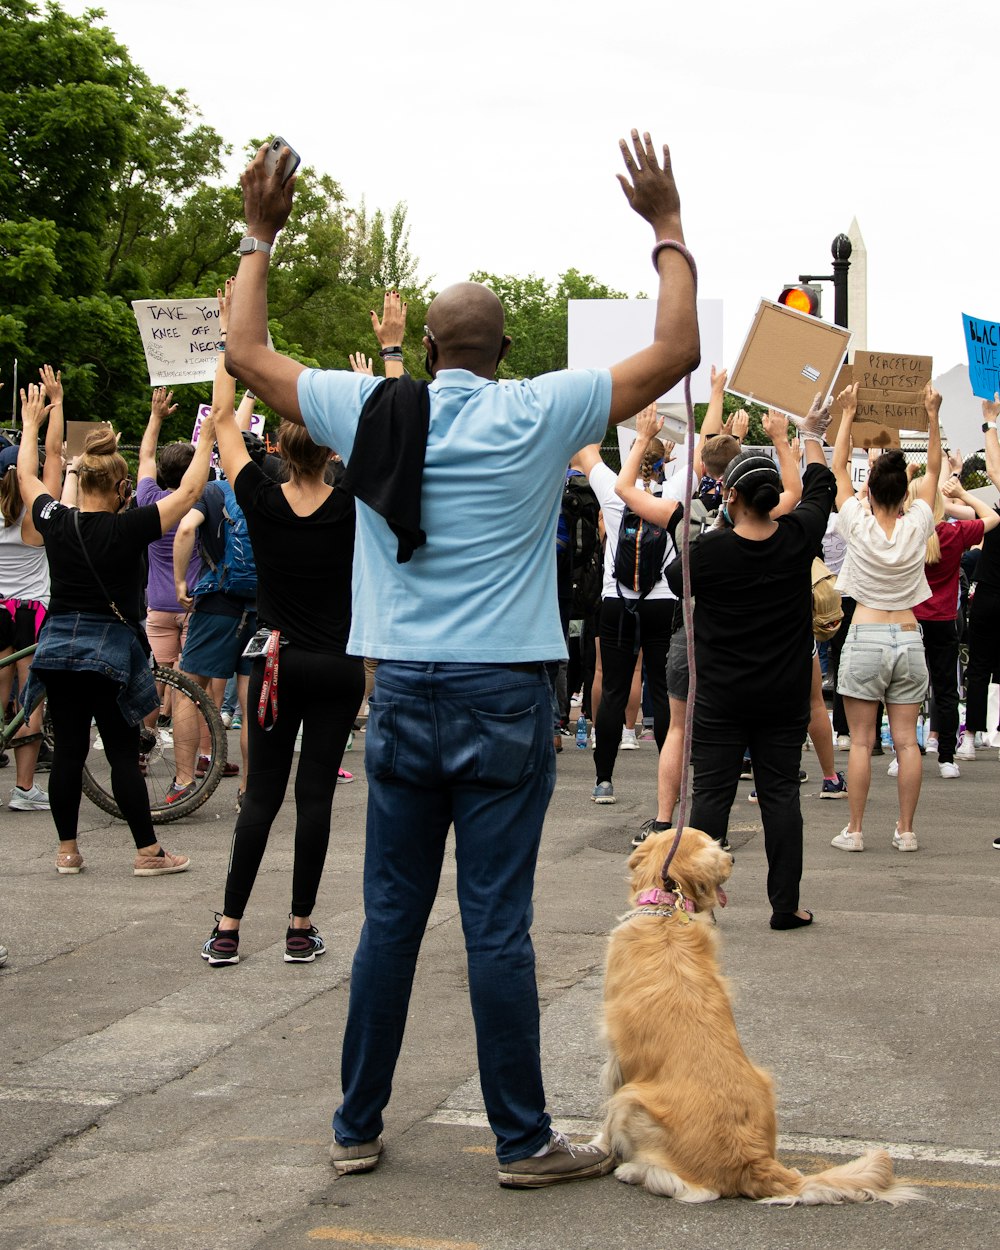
point(482, 589)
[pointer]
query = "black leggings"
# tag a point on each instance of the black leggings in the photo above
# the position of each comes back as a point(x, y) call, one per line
point(618, 656)
point(984, 656)
point(322, 693)
point(74, 699)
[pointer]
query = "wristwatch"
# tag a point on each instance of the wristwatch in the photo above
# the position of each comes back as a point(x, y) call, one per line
point(989, 425)
point(249, 244)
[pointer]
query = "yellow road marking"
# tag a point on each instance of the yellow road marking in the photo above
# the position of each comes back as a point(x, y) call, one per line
point(361, 1238)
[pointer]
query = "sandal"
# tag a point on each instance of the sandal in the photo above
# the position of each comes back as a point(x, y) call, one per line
point(69, 862)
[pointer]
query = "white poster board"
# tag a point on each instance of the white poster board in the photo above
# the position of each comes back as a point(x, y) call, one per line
point(604, 331)
point(180, 338)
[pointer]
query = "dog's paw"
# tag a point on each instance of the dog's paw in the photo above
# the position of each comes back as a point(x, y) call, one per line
point(631, 1173)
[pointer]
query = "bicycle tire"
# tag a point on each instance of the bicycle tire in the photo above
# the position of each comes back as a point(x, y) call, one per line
point(158, 759)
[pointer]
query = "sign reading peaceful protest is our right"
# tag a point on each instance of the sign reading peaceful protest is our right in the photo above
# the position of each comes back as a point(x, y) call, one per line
point(891, 389)
point(181, 339)
point(982, 342)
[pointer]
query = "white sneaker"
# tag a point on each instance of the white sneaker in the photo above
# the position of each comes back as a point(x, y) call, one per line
point(593, 739)
point(966, 748)
point(842, 742)
point(33, 800)
point(166, 738)
point(628, 742)
point(847, 841)
point(949, 771)
point(227, 719)
point(931, 746)
point(982, 741)
point(98, 744)
point(893, 769)
point(904, 841)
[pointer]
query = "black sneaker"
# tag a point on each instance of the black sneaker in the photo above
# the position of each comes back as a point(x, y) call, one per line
point(303, 945)
point(563, 1161)
point(222, 948)
point(996, 844)
point(746, 769)
point(646, 828)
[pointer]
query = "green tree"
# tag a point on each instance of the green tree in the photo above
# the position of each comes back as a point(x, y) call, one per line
point(536, 313)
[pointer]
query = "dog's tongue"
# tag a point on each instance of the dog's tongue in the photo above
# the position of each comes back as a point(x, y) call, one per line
point(722, 896)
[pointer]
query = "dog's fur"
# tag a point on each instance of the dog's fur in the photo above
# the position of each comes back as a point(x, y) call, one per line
point(688, 1114)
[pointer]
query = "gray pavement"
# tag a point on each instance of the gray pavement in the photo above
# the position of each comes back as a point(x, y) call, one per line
point(149, 1101)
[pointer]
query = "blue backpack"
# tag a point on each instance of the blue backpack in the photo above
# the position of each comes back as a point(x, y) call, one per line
point(228, 555)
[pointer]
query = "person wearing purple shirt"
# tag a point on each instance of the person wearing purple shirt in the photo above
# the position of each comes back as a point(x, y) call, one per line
point(160, 475)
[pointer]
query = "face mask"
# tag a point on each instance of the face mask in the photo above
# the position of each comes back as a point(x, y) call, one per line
point(724, 513)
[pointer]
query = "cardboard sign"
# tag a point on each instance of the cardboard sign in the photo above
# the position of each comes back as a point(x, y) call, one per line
point(982, 342)
point(863, 433)
point(787, 357)
point(180, 338)
point(76, 435)
point(890, 389)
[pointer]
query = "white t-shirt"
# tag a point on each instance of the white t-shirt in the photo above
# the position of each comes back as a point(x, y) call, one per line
point(881, 572)
point(602, 480)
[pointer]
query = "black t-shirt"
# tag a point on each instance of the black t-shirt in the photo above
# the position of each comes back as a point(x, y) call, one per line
point(116, 543)
point(988, 568)
point(753, 610)
point(304, 564)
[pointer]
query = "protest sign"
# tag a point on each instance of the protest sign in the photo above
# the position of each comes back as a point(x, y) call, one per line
point(76, 435)
point(863, 433)
point(180, 337)
point(982, 342)
point(256, 422)
point(891, 389)
point(603, 331)
point(787, 357)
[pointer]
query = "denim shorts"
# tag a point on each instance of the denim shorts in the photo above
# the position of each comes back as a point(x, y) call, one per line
point(214, 644)
point(883, 664)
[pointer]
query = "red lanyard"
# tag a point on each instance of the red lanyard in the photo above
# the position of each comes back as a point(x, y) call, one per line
point(269, 689)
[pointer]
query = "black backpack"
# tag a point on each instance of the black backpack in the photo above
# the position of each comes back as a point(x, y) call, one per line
point(640, 555)
point(582, 558)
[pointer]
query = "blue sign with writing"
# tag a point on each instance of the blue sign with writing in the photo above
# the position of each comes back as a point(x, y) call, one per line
point(982, 341)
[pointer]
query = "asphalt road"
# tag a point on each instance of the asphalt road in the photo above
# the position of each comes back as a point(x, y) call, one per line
point(147, 1101)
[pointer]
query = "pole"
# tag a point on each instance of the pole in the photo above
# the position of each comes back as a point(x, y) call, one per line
point(841, 251)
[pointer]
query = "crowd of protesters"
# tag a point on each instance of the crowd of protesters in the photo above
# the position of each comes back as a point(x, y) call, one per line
point(372, 586)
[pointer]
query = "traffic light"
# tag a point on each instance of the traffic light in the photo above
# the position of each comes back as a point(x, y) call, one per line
point(804, 298)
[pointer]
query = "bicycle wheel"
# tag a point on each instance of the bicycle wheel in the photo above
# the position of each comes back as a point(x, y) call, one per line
point(157, 756)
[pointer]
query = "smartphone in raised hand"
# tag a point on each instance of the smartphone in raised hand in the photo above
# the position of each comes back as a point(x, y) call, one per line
point(274, 149)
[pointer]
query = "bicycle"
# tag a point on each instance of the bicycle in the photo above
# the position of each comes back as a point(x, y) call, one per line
point(155, 750)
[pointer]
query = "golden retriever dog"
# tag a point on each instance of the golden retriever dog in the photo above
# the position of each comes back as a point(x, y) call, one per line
point(688, 1114)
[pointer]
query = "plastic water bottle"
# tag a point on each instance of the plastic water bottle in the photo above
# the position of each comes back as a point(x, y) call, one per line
point(581, 733)
point(920, 731)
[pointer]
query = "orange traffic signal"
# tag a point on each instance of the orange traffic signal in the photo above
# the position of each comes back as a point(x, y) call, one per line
point(804, 298)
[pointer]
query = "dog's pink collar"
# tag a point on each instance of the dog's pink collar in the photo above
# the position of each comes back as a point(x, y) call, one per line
point(663, 898)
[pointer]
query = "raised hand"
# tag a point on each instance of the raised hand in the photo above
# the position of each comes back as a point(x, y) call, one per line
point(160, 406)
point(361, 363)
point(776, 426)
point(932, 401)
point(33, 408)
point(816, 422)
point(267, 201)
point(52, 384)
point(952, 489)
point(737, 424)
point(991, 408)
point(648, 424)
point(390, 330)
point(225, 299)
point(719, 379)
point(649, 188)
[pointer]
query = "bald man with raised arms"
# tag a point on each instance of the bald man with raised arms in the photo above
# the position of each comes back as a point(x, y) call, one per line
point(460, 719)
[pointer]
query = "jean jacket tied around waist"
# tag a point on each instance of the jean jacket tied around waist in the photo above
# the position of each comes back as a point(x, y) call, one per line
point(88, 642)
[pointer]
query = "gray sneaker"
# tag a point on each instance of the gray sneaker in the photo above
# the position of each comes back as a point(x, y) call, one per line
point(363, 1158)
point(3, 955)
point(563, 1161)
point(604, 792)
point(32, 800)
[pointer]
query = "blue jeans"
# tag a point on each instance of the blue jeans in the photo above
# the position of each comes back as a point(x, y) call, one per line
point(469, 744)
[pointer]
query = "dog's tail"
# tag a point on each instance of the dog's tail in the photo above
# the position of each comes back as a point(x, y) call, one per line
point(868, 1179)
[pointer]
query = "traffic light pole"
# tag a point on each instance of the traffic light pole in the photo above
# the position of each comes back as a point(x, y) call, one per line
point(841, 252)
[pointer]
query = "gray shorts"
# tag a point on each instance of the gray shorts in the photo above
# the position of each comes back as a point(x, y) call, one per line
point(677, 666)
point(883, 663)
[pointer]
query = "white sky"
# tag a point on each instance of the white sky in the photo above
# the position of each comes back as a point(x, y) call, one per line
point(498, 125)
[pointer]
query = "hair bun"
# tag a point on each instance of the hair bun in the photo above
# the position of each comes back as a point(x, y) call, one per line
point(101, 441)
